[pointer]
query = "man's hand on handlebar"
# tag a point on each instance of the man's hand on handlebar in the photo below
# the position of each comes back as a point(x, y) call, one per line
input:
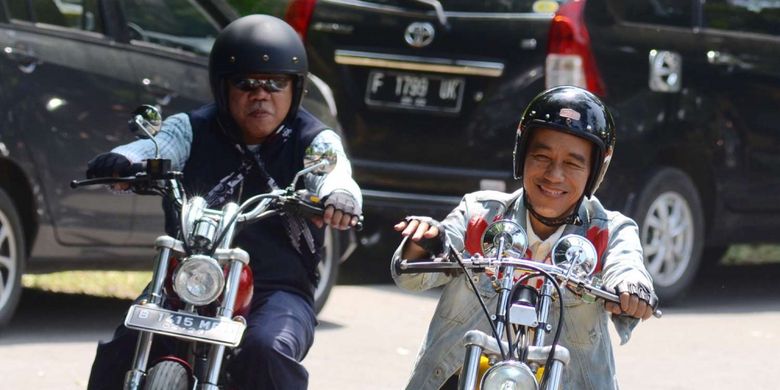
point(635, 301)
point(341, 211)
point(425, 238)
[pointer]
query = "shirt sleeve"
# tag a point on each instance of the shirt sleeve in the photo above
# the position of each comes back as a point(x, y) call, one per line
point(174, 140)
point(340, 178)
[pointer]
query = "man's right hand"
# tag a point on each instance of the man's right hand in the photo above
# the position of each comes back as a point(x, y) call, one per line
point(424, 238)
point(108, 165)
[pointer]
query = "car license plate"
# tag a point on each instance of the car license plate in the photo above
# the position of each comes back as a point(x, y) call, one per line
point(414, 91)
point(184, 325)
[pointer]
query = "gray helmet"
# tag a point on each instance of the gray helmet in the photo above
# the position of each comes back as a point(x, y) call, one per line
point(574, 111)
point(257, 44)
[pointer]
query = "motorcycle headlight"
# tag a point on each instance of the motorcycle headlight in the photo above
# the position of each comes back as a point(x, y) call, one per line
point(199, 280)
point(509, 375)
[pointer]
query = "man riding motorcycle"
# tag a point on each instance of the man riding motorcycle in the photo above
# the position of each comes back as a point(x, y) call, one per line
point(563, 147)
point(250, 140)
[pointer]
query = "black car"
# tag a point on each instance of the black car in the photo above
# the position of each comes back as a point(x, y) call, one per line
point(71, 72)
point(430, 92)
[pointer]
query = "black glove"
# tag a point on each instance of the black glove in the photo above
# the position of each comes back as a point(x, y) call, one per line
point(437, 246)
point(640, 291)
point(108, 165)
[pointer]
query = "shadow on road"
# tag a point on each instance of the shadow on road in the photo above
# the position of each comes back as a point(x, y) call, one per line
point(732, 289)
point(54, 317)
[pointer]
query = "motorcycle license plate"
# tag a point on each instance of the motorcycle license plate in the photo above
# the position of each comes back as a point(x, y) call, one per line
point(184, 325)
point(414, 91)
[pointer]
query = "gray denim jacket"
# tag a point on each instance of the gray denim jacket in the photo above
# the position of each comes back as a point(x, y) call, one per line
point(585, 333)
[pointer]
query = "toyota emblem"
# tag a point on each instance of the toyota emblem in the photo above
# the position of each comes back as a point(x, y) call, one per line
point(419, 34)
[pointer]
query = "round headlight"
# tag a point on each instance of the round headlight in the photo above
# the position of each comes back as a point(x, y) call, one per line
point(509, 375)
point(199, 280)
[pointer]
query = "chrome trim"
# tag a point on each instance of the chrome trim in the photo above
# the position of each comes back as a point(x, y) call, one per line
point(406, 197)
point(424, 64)
point(327, 93)
point(436, 8)
point(386, 9)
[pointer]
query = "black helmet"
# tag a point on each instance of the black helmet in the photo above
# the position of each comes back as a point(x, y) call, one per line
point(257, 44)
point(575, 111)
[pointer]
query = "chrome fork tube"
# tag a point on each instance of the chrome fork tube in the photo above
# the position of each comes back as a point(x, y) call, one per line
point(554, 378)
point(468, 376)
point(134, 377)
point(217, 352)
point(545, 300)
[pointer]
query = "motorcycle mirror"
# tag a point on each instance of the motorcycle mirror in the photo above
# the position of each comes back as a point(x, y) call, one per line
point(514, 237)
point(145, 122)
point(321, 158)
point(576, 254)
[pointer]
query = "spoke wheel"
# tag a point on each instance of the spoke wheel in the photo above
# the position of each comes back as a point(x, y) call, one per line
point(671, 230)
point(12, 258)
point(328, 268)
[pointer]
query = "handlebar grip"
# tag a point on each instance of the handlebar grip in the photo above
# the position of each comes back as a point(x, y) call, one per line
point(418, 269)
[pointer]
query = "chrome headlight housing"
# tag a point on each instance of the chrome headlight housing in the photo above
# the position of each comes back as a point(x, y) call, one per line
point(509, 375)
point(198, 280)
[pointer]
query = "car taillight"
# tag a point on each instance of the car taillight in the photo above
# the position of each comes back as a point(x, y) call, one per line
point(569, 57)
point(298, 15)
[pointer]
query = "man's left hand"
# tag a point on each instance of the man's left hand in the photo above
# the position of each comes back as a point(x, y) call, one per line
point(636, 301)
point(630, 305)
point(341, 211)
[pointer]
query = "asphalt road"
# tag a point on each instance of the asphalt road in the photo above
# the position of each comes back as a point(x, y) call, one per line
point(725, 335)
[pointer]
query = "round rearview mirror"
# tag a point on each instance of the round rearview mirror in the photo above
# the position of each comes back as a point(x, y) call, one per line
point(513, 235)
point(146, 121)
point(321, 156)
point(575, 253)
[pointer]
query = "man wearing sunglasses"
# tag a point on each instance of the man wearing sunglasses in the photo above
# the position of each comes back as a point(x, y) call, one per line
point(250, 140)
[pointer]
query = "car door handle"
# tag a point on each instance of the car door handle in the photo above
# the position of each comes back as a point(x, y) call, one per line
point(719, 58)
point(25, 59)
point(161, 93)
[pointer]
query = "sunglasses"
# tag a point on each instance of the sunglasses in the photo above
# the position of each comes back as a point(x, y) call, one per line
point(270, 85)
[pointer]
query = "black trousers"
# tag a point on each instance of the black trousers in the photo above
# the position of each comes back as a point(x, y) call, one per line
point(279, 333)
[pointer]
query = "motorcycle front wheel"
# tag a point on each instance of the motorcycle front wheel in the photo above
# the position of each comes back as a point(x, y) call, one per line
point(167, 375)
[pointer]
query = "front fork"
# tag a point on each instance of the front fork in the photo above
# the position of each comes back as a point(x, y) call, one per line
point(479, 343)
point(237, 259)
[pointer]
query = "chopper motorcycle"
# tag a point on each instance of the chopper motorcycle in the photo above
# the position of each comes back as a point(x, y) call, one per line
point(201, 284)
point(516, 355)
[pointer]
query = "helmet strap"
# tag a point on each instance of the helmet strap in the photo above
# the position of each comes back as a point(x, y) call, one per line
point(571, 219)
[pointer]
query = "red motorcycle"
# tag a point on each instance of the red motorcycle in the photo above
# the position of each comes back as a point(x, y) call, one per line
point(202, 284)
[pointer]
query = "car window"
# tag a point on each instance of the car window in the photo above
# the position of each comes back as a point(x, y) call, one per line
point(178, 24)
point(75, 14)
point(757, 16)
point(19, 10)
point(674, 13)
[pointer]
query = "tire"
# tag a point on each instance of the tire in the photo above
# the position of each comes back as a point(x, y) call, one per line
point(167, 375)
point(13, 258)
point(671, 229)
point(328, 268)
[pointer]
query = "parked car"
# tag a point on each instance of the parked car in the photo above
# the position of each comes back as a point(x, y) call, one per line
point(71, 72)
point(430, 92)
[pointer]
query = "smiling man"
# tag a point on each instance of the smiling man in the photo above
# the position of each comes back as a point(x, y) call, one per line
point(252, 140)
point(564, 144)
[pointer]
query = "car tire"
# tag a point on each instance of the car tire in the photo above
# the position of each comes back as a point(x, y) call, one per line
point(328, 268)
point(12, 258)
point(671, 229)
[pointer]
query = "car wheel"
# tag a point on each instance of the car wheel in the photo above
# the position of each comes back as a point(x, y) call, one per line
point(671, 229)
point(12, 258)
point(328, 268)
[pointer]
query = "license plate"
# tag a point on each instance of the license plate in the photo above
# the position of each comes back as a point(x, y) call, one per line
point(414, 91)
point(184, 325)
